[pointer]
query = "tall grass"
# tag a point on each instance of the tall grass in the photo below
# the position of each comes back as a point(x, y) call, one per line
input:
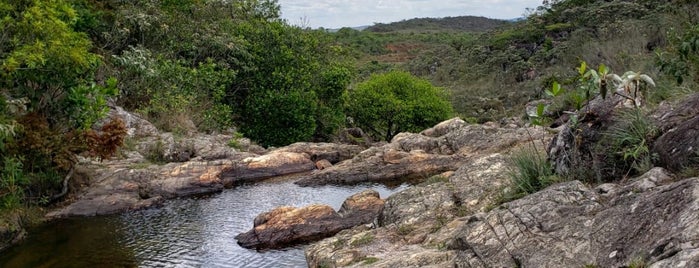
point(529, 172)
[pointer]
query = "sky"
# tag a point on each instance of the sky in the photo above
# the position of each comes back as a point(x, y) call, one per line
point(331, 14)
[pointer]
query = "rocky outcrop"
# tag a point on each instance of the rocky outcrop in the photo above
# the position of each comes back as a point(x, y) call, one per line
point(678, 147)
point(411, 217)
point(332, 152)
point(157, 166)
point(652, 220)
point(443, 148)
point(273, 164)
point(286, 226)
point(575, 148)
point(117, 188)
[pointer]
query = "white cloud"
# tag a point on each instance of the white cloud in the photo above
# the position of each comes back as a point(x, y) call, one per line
point(341, 13)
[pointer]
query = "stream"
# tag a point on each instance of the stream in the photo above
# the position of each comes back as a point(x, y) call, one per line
point(189, 232)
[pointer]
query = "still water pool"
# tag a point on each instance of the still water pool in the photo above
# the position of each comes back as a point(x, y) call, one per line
point(194, 232)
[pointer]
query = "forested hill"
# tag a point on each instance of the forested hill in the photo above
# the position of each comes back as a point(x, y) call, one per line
point(460, 23)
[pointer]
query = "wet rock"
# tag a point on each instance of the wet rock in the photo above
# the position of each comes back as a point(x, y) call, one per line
point(270, 165)
point(287, 226)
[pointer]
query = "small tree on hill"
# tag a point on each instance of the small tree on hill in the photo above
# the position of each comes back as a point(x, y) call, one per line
point(390, 103)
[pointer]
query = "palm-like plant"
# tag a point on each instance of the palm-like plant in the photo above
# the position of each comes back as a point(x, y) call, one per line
point(633, 84)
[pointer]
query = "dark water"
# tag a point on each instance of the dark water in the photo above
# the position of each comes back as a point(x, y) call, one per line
point(183, 233)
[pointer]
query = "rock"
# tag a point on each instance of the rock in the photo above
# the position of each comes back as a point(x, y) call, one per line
point(361, 208)
point(323, 164)
point(412, 155)
point(273, 164)
point(354, 136)
point(286, 226)
point(411, 217)
point(577, 149)
point(333, 152)
point(653, 219)
point(678, 147)
point(117, 188)
point(136, 126)
point(443, 128)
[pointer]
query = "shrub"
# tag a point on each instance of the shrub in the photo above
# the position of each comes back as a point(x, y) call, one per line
point(626, 143)
point(390, 103)
point(275, 119)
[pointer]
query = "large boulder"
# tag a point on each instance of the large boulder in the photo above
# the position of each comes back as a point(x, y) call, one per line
point(287, 226)
point(136, 126)
point(442, 148)
point(652, 220)
point(411, 217)
point(575, 150)
point(678, 147)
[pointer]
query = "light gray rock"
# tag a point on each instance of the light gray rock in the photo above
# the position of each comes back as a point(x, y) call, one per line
point(652, 219)
point(275, 163)
point(412, 155)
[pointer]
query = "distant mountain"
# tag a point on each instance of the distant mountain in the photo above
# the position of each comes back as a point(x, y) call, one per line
point(461, 23)
point(358, 28)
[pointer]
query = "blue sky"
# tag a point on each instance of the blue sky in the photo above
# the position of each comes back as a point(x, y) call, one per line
point(341, 13)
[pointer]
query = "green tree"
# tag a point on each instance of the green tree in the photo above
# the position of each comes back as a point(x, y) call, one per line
point(47, 82)
point(390, 103)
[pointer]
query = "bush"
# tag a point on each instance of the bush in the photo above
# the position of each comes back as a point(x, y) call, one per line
point(276, 119)
point(626, 143)
point(390, 103)
point(174, 96)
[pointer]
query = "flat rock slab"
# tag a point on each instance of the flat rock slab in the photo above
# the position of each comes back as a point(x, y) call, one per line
point(652, 220)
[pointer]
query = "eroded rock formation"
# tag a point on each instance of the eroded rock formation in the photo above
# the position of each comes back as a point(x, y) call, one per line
point(287, 226)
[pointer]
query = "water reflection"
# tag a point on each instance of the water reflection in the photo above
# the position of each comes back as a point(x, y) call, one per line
point(183, 233)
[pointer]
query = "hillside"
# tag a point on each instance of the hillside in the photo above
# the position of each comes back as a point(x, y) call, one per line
point(460, 23)
point(493, 74)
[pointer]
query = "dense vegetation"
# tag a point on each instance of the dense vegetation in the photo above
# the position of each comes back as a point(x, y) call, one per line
point(217, 66)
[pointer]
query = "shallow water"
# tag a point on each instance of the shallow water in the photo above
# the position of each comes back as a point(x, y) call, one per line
point(194, 232)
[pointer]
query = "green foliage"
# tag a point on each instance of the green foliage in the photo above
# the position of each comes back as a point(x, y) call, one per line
point(295, 87)
point(363, 240)
point(681, 60)
point(12, 183)
point(370, 260)
point(49, 63)
point(275, 119)
point(530, 172)
point(627, 142)
point(50, 96)
point(390, 103)
point(174, 96)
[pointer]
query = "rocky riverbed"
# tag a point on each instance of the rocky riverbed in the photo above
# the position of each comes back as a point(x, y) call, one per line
point(453, 216)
